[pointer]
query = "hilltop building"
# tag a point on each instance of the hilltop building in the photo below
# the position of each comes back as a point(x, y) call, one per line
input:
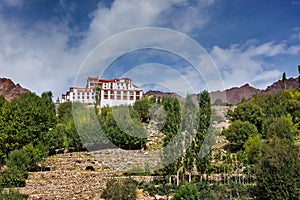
point(113, 92)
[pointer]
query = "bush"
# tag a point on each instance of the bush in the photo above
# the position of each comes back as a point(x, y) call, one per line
point(159, 187)
point(12, 195)
point(120, 190)
point(12, 177)
point(187, 192)
point(18, 159)
point(26, 157)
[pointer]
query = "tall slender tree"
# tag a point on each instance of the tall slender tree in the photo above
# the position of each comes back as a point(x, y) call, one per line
point(299, 76)
point(284, 79)
point(203, 126)
point(172, 144)
point(189, 129)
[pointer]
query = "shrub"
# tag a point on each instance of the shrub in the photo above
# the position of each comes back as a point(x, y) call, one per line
point(120, 190)
point(12, 177)
point(187, 192)
point(12, 195)
point(159, 187)
point(19, 159)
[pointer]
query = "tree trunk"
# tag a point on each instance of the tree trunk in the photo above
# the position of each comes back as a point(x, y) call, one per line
point(177, 178)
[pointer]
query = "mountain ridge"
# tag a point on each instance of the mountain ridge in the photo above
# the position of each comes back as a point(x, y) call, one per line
point(10, 90)
point(236, 95)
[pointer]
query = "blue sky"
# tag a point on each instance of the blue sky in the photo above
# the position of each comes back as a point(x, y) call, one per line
point(44, 42)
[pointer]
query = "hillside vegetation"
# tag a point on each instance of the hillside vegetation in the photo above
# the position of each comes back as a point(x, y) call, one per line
point(257, 156)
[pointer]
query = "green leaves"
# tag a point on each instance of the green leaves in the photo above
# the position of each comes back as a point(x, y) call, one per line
point(26, 120)
point(143, 108)
point(121, 128)
point(278, 172)
point(239, 132)
point(187, 192)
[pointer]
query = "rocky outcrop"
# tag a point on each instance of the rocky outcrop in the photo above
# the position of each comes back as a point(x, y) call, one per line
point(10, 90)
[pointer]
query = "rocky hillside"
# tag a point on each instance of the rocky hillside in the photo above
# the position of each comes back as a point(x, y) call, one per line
point(10, 90)
point(280, 85)
point(234, 95)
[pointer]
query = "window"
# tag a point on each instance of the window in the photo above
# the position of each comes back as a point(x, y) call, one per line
point(112, 95)
point(125, 95)
point(118, 95)
point(131, 96)
point(105, 94)
point(137, 97)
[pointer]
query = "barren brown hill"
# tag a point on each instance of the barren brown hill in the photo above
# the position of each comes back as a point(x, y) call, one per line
point(234, 95)
point(280, 85)
point(155, 94)
point(10, 90)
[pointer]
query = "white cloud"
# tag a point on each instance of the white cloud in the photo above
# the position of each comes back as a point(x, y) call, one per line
point(39, 58)
point(240, 64)
point(36, 58)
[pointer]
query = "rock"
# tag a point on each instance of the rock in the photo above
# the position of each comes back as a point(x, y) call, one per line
point(158, 197)
point(9, 90)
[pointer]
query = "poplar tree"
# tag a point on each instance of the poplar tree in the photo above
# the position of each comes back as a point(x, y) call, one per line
point(171, 128)
point(204, 123)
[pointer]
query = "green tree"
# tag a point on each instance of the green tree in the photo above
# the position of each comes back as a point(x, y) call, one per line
point(121, 129)
point(189, 128)
point(253, 149)
point(299, 75)
point(278, 172)
point(142, 107)
point(283, 77)
point(65, 133)
point(249, 111)
point(204, 121)
point(282, 127)
point(2, 101)
point(26, 120)
point(173, 146)
point(239, 132)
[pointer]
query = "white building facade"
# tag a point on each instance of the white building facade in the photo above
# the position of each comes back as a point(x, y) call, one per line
point(114, 92)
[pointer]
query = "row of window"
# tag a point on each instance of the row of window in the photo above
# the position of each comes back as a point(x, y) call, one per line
point(85, 93)
point(78, 97)
point(119, 97)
